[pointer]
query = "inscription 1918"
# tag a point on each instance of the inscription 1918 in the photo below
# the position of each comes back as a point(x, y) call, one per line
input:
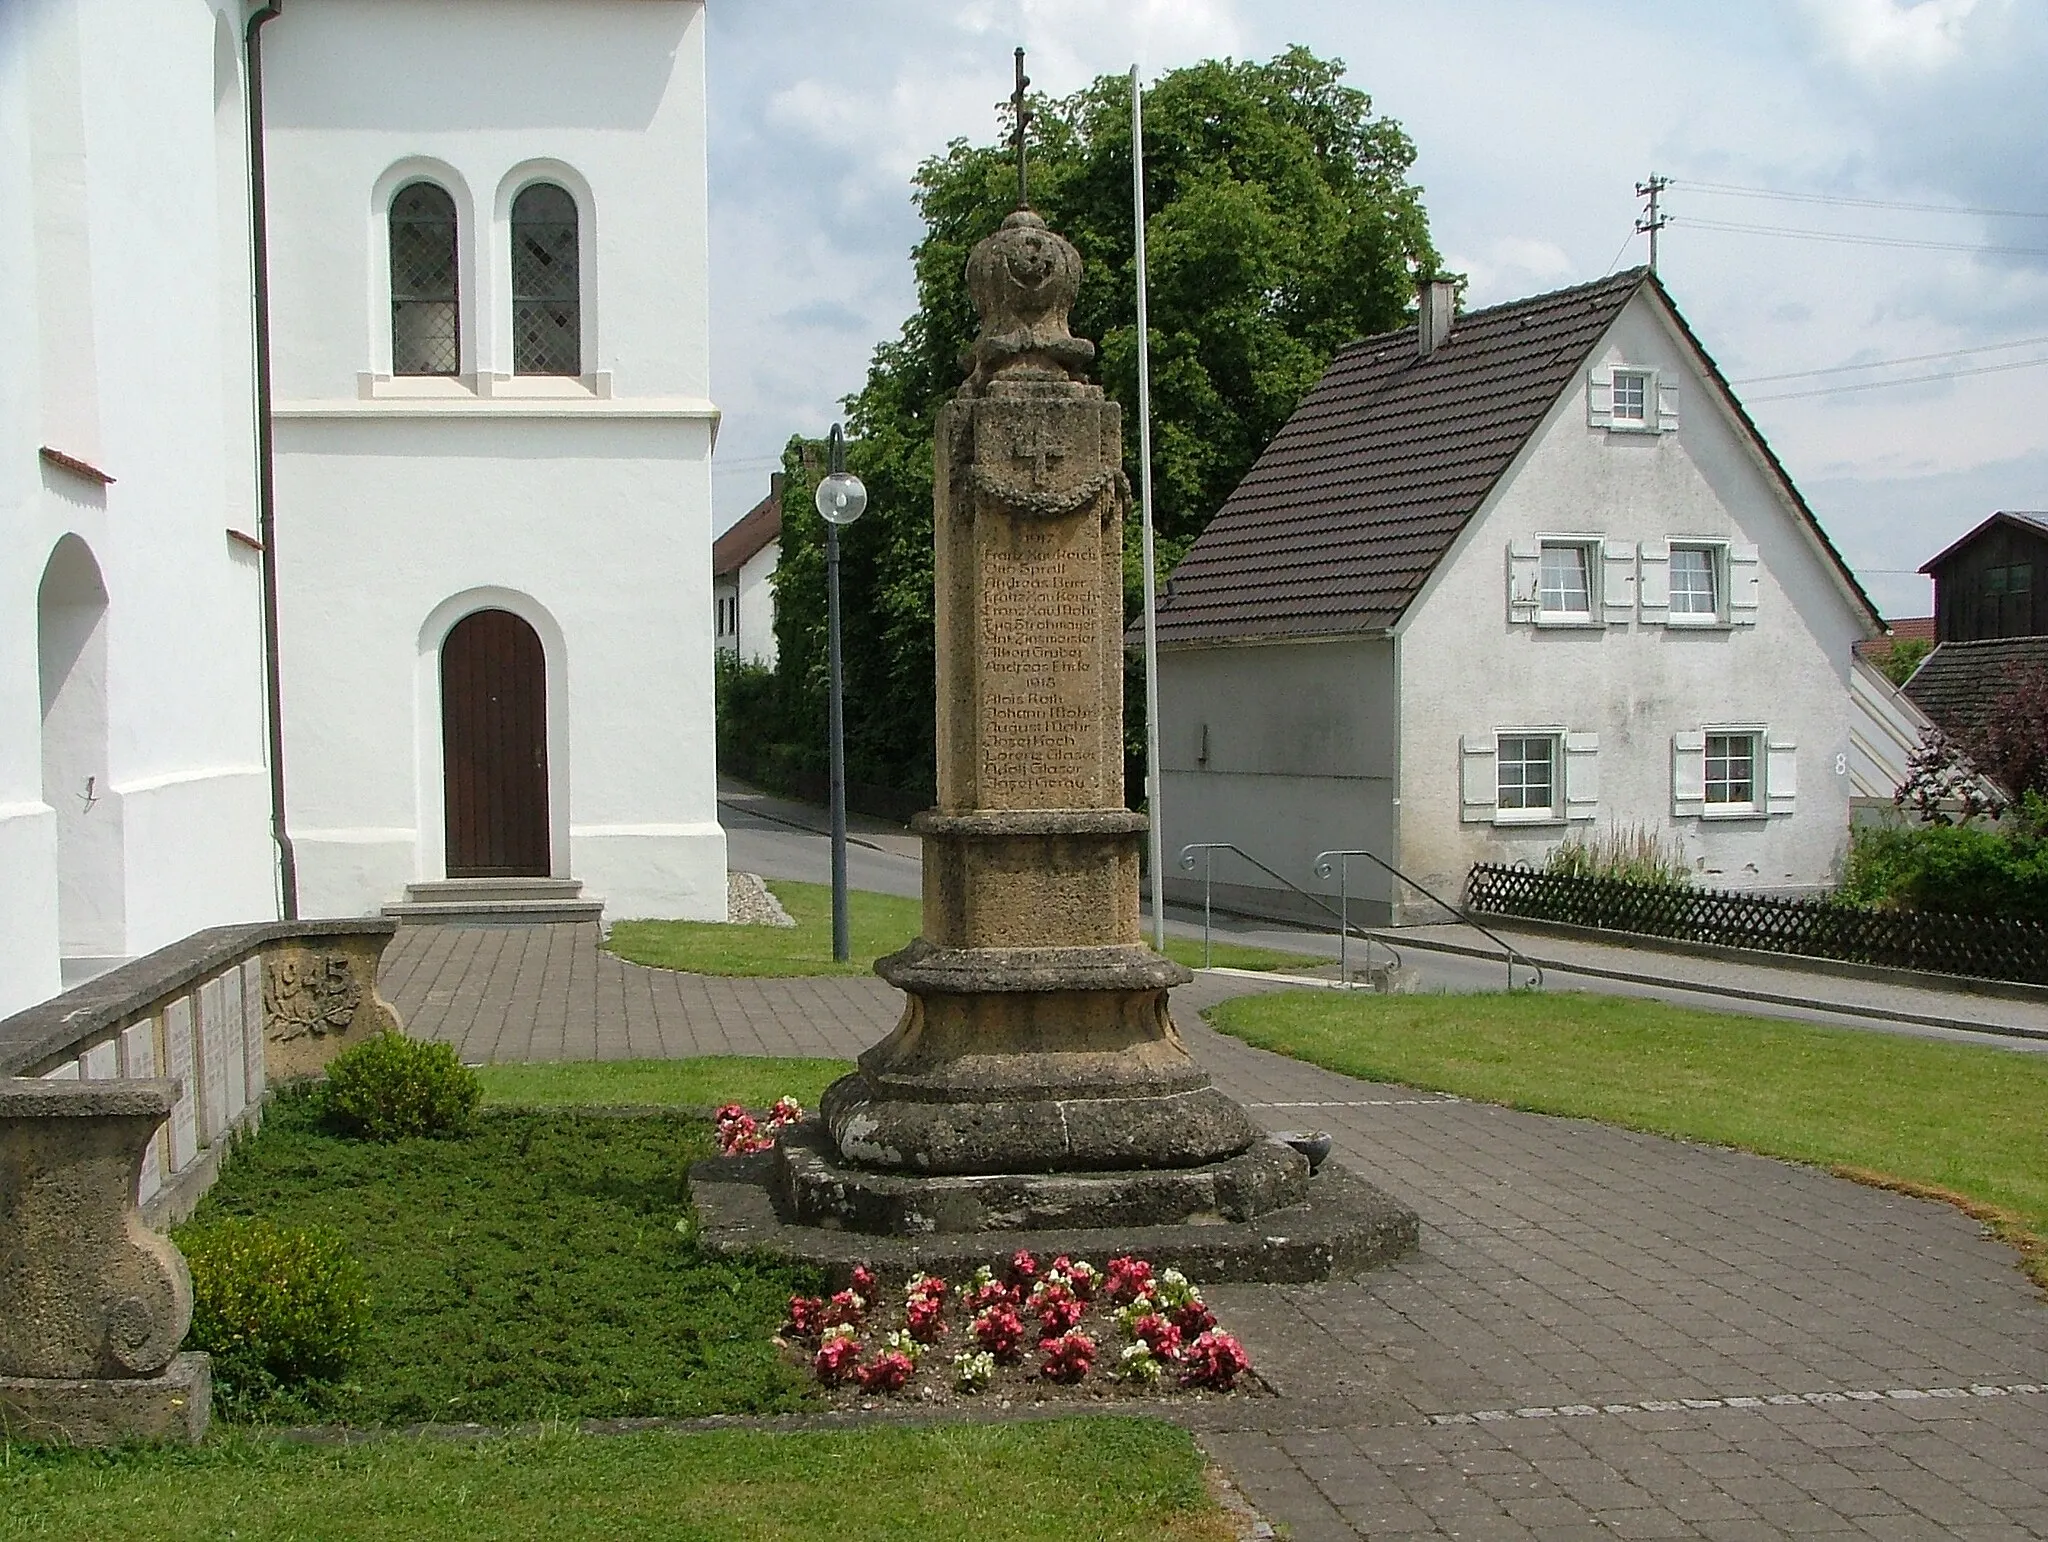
point(1040, 673)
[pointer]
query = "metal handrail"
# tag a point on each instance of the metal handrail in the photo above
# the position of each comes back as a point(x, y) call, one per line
point(1209, 850)
point(1507, 948)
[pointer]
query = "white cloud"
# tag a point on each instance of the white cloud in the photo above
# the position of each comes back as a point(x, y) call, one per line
point(1512, 267)
point(1882, 36)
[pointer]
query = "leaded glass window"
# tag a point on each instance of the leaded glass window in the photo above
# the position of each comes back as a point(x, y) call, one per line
point(425, 308)
point(547, 312)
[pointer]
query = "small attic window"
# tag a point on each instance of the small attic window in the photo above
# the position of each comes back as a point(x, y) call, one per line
point(1631, 397)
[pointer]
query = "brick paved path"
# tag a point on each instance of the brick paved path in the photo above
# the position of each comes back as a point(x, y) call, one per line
point(1603, 1334)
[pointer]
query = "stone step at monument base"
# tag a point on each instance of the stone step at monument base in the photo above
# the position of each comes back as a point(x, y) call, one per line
point(1342, 1226)
point(172, 1407)
point(813, 1186)
point(496, 902)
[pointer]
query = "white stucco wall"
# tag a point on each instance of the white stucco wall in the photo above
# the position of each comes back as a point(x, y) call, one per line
point(123, 315)
point(1466, 668)
point(1283, 751)
point(582, 505)
point(756, 591)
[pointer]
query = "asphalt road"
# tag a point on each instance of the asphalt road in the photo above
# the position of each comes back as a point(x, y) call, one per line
point(778, 839)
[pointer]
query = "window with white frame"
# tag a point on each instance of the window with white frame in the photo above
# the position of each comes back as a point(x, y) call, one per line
point(728, 615)
point(1730, 782)
point(1733, 771)
point(1511, 776)
point(1634, 397)
point(1526, 775)
point(1695, 583)
point(1564, 583)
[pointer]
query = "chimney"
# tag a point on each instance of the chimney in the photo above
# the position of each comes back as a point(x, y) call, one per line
point(1436, 300)
point(775, 481)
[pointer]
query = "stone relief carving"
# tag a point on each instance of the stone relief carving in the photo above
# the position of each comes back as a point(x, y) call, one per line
point(309, 995)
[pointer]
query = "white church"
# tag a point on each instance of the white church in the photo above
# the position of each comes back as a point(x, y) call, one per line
point(470, 470)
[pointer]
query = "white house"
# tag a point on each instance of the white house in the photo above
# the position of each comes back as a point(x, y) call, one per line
point(1502, 580)
point(491, 493)
point(133, 795)
point(489, 283)
point(743, 580)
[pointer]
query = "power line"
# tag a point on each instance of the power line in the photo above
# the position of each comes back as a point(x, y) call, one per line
point(1914, 358)
point(1872, 385)
point(1729, 189)
point(1858, 240)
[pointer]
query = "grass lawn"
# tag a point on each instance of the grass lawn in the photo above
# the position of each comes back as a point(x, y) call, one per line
point(1951, 1120)
point(702, 1082)
point(534, 1270)
point(876, 923)
point(1074, 1478)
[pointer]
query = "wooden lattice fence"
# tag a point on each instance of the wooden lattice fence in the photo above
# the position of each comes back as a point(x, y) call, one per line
point(1984, 947)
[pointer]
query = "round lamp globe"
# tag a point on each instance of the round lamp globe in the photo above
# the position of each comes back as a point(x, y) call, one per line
point(841, 498)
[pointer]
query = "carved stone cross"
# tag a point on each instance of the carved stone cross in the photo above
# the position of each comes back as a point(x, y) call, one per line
point(1032, 443)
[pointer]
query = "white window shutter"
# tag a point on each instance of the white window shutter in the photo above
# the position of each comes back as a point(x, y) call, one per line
point(1581, 776)
point(1744, 572)
point(1525, 559)
point(1600, 397)
point(1477, 776)
point(1781, 776)
point(1667, 406)
point(1618, 582)
point(1653, 583)
point(1688, 774)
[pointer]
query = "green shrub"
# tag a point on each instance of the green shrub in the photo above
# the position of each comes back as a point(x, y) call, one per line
point(1629, 853)
point(280, 1310)
point(1962, 869)
point(390, 1087)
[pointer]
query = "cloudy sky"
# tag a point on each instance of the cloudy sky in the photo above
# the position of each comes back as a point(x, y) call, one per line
point(1533, 124)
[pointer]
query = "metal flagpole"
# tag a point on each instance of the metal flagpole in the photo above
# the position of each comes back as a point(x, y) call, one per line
point(1152, 788)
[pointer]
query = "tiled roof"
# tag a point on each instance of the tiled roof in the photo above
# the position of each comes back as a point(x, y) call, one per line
point(1960, 681)
point(1362, 492)
point(1900, 629)
point(2037, 523)
point(749, 533)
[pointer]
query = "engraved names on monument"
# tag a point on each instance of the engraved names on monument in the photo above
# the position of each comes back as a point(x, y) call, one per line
point(1040, 666)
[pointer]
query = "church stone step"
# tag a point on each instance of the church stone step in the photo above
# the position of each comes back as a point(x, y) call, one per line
point(496, 902)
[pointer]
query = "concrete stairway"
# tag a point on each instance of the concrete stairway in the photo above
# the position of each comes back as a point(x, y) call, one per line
point(496, 902)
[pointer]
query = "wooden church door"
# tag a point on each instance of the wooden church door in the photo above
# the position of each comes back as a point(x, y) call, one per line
point(494, 747)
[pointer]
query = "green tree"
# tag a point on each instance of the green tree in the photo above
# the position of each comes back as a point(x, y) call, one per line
point(1898, 662)
point(1281, 225)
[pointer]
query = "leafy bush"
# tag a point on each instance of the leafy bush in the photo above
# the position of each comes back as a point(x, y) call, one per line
point(389, 1087)
point(280, 1310)
point(1898, 662)
point(1963, 869)
point(1630, 853)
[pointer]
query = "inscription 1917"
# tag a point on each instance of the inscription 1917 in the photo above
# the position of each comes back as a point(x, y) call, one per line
point(1040, 672)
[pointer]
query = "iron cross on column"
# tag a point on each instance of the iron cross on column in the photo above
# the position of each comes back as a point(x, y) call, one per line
point(1024, 116)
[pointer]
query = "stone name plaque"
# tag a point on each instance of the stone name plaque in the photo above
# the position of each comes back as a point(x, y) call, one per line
point(1040, 655)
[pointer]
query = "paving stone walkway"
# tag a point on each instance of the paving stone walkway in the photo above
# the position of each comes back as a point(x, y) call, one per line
point(1603, 1334)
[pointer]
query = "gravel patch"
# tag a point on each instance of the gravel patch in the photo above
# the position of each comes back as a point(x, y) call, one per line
point(748, 902)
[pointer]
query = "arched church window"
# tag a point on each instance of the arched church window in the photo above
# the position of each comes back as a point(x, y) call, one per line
point(547, 312)
point(425, 336)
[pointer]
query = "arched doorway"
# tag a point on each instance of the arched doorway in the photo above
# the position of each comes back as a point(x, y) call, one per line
point(494, 747)
point(71, 654)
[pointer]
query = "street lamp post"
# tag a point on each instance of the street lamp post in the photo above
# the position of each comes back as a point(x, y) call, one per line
point(840, 499)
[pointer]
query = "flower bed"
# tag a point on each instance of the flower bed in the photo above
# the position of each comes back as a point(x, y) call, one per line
point(1042, 1330)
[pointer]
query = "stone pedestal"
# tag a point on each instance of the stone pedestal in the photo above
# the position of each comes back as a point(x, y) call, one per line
point(1036, 1086)
point(93, 1304)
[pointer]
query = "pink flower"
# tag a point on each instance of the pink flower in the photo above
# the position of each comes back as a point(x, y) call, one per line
point(1214, 1360)
point(1066, 1358)
point(928, 1287)
point(885, 1373)
point(1084, 1279)
point(806, 1317)
point(786, 1111)
point(847, 1307)
point(1157, 1334)
point(1193, 1319)
point(863, 1282)
point(1000, 1331)
point(922, 1318)
point(836, 1359)
point(1023, 1269)
point(995, 1293)
point(1129, 1278)
point(1059, 1310)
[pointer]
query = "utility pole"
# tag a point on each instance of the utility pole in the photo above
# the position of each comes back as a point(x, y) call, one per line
point(1654, 219)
